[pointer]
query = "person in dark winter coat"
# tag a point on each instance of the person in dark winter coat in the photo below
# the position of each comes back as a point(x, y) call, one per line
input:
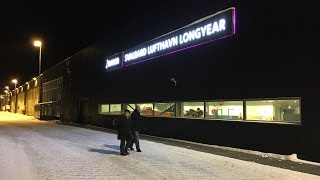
point(124, 126)
point(135, 116)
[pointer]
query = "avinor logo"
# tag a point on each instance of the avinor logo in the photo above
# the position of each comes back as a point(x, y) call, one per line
point(113, 61)
point(216, 26)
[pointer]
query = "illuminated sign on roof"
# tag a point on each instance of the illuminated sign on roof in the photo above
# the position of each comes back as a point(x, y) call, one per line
point(205, 30)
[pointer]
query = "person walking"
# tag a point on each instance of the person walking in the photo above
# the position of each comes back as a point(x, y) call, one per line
point(124, 126)
point(135, 116)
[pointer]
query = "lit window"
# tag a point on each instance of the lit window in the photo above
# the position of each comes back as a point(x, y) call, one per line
point(164, 109)
point(104, 109)
point(115, 109)
point(130, 107)
point(192, 109)
point(146, 109)
point(224, 110)
point(274, 110)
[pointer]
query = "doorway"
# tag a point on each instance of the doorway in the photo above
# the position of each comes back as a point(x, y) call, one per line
point(83, 111)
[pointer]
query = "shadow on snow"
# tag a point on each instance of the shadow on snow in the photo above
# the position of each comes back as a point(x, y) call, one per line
point(111, 146)
point(103, 151)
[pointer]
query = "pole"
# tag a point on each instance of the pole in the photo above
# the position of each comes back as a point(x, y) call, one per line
point(40, 61)
point(16, 103)
point(6, 99)
point(7, 103)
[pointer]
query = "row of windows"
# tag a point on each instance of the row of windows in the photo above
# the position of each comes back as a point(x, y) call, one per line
point(53, 84)
point(285, 110)
point(52, 90)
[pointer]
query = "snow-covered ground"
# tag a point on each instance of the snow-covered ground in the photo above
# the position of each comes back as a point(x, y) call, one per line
point(32, 149)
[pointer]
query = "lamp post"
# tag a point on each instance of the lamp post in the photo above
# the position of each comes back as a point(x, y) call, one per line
point(1, 105)
point(6, 98)
point(15, 81)
point(38, 44)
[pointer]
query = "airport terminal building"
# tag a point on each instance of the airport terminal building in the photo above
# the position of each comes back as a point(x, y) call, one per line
point(216, 80)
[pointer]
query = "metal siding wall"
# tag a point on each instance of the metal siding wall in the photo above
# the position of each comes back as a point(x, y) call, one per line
point(13, 102)
point(20, 104)
point(32, 99)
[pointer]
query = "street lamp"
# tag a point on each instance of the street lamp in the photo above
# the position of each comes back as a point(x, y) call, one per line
point(7, 87)
point(38, 44)
point(14, 81)
point(6, 98)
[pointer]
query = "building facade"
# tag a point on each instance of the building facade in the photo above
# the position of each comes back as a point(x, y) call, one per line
point(236, 77)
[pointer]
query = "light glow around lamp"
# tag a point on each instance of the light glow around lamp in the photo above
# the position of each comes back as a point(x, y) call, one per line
point(37, 43)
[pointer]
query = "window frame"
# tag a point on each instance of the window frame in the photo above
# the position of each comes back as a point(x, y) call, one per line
point(244, 110)
point(175, 106)
point(99, 109)
point(225, 100)
point(274, 121)
point(204, 110)
point(115, 104)
point(123, 105)
point(145, 103)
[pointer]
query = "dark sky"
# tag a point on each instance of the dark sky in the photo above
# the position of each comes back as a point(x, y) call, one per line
point(65, 27)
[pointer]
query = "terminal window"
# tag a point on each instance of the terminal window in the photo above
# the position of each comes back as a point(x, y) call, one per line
point(274, 110)
point(224, 110)
point(164, 109)
point(52, 90)
point(115, 109)
point(146, 109)
point(129, 107)
point(192, 109)
point(104, 109)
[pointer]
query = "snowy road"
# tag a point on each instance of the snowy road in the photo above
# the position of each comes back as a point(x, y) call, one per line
point(32, 149)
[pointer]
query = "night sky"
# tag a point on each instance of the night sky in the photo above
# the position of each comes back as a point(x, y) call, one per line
point(65, 27)
point(69, 26)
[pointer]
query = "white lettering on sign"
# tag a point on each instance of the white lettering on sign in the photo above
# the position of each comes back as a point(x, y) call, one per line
point(112, 62)
point(195, 34)
point(169, 43)
point(135, 54)
point(203, 31)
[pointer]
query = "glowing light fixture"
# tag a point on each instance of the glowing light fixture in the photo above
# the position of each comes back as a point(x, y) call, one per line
point(37, 43)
